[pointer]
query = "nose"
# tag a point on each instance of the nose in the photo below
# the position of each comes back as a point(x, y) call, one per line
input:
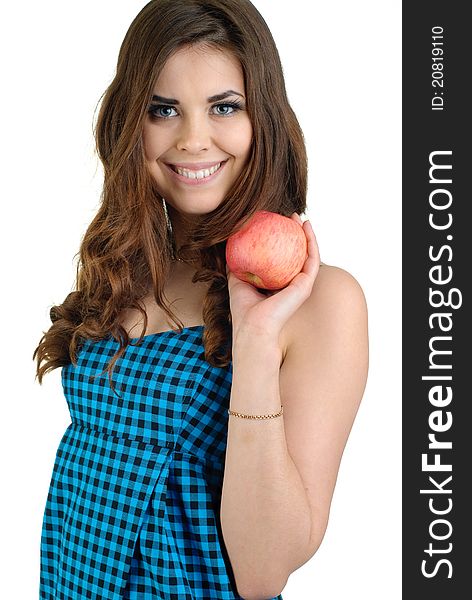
point(194, 134)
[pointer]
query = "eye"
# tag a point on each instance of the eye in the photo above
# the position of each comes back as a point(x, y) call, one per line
point(234, 106)
point(155, 109)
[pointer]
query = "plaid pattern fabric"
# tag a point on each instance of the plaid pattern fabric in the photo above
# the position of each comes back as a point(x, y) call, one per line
point(132, 511)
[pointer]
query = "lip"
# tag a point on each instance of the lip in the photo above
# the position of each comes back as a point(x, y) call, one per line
point(203, 181)
point(197, 166)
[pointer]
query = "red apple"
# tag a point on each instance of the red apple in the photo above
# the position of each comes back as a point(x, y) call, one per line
point(268, 251)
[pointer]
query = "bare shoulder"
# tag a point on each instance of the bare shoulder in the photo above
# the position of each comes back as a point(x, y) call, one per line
point(335, 286)
point(336, 306)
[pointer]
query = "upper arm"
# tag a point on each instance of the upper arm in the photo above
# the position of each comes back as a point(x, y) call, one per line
point(322, 380)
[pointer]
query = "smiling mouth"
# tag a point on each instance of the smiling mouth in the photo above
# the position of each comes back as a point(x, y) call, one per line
point(200, 174)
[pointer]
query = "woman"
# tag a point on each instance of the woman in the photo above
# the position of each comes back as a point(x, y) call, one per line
point(200, 462)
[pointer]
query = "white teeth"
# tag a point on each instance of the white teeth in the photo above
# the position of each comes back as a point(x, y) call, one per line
point(198, 174)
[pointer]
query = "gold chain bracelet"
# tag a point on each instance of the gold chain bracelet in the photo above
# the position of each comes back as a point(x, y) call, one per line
point(236, 414)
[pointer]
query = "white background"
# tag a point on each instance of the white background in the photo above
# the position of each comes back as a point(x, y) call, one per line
point(342, 66)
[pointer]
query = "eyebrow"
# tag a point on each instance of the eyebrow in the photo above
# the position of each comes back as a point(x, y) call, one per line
point(214, 98)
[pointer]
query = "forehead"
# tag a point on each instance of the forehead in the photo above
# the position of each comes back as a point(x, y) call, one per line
point(194, 68)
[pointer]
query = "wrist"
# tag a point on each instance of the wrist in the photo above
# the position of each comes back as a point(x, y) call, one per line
point(251, 336)
point(256, 354)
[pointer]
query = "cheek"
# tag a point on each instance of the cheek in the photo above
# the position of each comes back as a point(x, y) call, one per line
point(150, 144)
point(242, 137)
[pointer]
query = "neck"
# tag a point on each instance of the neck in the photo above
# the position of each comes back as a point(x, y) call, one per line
point(181, 227)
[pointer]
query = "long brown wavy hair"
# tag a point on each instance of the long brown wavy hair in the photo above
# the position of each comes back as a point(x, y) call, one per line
point(126, 250)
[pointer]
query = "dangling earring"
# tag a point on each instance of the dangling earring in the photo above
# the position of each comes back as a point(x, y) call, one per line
point(170, 232)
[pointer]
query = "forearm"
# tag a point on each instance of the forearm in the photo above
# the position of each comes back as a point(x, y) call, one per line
point(265, 513)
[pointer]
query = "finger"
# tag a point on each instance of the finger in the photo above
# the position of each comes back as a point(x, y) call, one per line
point(285, 302)
point(296, 217)
point(312, 262)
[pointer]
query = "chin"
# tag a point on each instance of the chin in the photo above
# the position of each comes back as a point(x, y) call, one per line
point(195, 208)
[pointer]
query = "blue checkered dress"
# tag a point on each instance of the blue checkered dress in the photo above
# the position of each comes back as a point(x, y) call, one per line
point(132, 511)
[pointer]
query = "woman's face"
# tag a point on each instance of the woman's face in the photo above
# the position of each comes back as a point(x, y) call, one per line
point(189, 128)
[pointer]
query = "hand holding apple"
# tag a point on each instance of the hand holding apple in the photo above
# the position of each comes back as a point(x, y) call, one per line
point(268, 251)
point(257, 318)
